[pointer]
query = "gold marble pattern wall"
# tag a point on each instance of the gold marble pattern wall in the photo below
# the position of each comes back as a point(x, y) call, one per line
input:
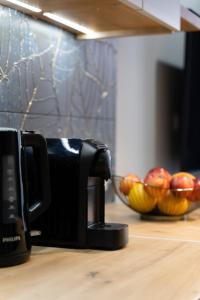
point(53, 83)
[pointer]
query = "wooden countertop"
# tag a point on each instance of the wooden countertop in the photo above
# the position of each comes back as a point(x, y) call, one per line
point(161, 261)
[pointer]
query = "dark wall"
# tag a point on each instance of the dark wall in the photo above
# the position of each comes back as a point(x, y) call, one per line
point(53, 83)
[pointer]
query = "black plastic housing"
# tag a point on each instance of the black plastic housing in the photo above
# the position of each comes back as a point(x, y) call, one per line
point(16, 212)
point(76, 215)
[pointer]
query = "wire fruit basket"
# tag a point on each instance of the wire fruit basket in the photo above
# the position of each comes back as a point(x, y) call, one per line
point(156, 203)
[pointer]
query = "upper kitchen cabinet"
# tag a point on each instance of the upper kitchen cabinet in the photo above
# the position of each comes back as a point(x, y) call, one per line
point(168, 12)
point(137, 3)
point(189, 20)
point(91, 19)
point(106, 18)
point(131, 17)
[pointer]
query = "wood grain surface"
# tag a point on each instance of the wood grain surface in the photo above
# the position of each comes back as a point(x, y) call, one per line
point(105, 17)
point(161, 261)
point(110, 18)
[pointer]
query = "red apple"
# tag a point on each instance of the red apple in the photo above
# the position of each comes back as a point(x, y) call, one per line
point(182, 184)
point(128, 182)
point(157, 182)
point(195, 195)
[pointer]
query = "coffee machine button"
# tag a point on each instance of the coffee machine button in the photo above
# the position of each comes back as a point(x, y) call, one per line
point(11, 189)
point(11, 207)
point(11, 216)
point(10, 179)
point(11, 199)
point(10, 172)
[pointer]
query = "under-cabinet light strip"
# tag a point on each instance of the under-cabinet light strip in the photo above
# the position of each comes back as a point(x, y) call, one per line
point(53, 17)
point(68, 23)
point(25, 5)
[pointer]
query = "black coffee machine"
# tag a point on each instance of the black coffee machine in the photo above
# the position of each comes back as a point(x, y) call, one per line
point(75, 217)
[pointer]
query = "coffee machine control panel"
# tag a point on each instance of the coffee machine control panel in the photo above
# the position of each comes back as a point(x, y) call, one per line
point(9, 190)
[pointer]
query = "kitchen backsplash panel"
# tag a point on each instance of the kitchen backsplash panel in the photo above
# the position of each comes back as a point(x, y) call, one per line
point(53, 83)
point(61, 126)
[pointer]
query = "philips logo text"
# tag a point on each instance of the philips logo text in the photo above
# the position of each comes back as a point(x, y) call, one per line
point(11, 239)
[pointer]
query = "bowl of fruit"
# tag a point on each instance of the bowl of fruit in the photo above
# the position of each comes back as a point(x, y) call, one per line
point(159, 195)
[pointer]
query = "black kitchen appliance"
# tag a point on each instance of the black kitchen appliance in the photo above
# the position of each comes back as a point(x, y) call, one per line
point(75, 217)
point(190, 105)
point(15, 212)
